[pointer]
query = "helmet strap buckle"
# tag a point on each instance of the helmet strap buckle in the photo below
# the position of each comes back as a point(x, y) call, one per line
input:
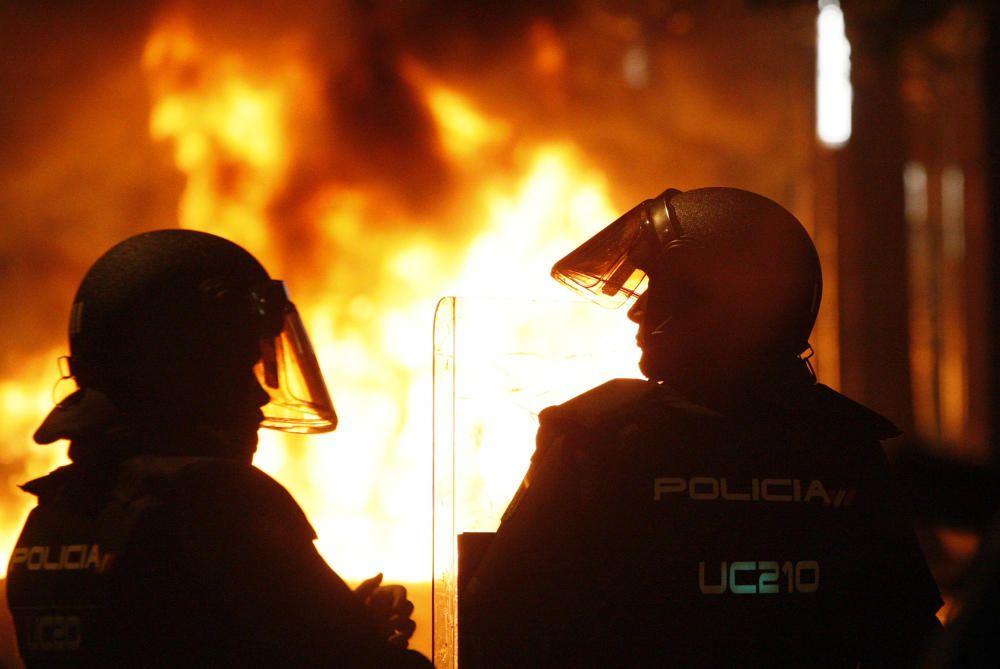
point(65, 364)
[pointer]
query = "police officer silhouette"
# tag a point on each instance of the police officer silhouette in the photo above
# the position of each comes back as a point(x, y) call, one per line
point(728, 512)
point(160, 544)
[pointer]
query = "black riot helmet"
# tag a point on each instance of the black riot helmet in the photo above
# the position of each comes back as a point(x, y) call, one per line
point(726, 278)
point(172, 322)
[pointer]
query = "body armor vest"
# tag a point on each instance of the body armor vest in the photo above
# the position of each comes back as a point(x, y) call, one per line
point(650, 530)
point(62, 580)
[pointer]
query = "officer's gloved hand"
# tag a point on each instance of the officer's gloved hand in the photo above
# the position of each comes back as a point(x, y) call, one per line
point(390, 608)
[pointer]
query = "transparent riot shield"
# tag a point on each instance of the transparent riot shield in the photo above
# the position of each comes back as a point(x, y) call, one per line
point(497, 364)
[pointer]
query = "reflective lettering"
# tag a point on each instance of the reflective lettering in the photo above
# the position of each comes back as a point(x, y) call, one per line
point(20, 556)
point(769, 496)
point(734, 584)
point(816, 489)
point(93, 558)
point(36, 556)
point(843, 498)
point(768, 581)
point(58, 558)
point(54, 633)
point(73, 556)
point(709, 488)
point(662, 486)
point(733, 496)
point(48, 566)
point(748, 577)
point(712, 589)
point(786, 569)
point(807, 576)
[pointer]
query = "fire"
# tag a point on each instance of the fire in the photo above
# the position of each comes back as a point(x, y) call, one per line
point(366, 280)
point(465, 131)
point(24, 401)
point(366, 270)
point(228, 132)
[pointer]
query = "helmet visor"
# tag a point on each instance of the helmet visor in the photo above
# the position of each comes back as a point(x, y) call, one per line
point(290, 374)
point(603, 268)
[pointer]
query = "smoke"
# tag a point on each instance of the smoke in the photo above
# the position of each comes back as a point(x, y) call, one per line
point(77, 168)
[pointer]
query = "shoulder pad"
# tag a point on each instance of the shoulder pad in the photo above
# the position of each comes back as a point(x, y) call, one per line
point(46, 486)
point(613, 398)
point(854, 415)
point(231, 483)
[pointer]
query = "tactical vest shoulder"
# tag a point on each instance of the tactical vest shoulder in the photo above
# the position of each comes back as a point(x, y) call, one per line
point(45, 488)
point(852, 416)
point(615, 404)
point(596, 405)
point(213, 481)
point(91, 522)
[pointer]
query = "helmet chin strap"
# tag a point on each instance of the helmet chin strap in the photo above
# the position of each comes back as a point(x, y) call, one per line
point(662, 327)
point(649, 344)
point(806, 357)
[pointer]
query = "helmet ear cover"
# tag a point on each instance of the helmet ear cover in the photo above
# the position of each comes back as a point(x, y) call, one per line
point(673, 293)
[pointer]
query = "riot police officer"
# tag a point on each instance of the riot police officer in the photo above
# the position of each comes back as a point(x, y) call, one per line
point(727, 512)
point(160, 544)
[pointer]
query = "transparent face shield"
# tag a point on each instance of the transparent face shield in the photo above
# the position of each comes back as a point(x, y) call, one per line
point(288, 369)
point(609, 267)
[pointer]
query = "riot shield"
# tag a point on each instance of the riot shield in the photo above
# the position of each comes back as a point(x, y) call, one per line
point(497, 364)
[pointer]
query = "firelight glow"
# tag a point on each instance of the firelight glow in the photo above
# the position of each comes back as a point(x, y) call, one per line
point(238, 127)
point(834, 94)
point(235, 137)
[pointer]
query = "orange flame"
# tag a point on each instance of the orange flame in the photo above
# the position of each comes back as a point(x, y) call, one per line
point(235, 132)
point(24, 401)
point(367, 490)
